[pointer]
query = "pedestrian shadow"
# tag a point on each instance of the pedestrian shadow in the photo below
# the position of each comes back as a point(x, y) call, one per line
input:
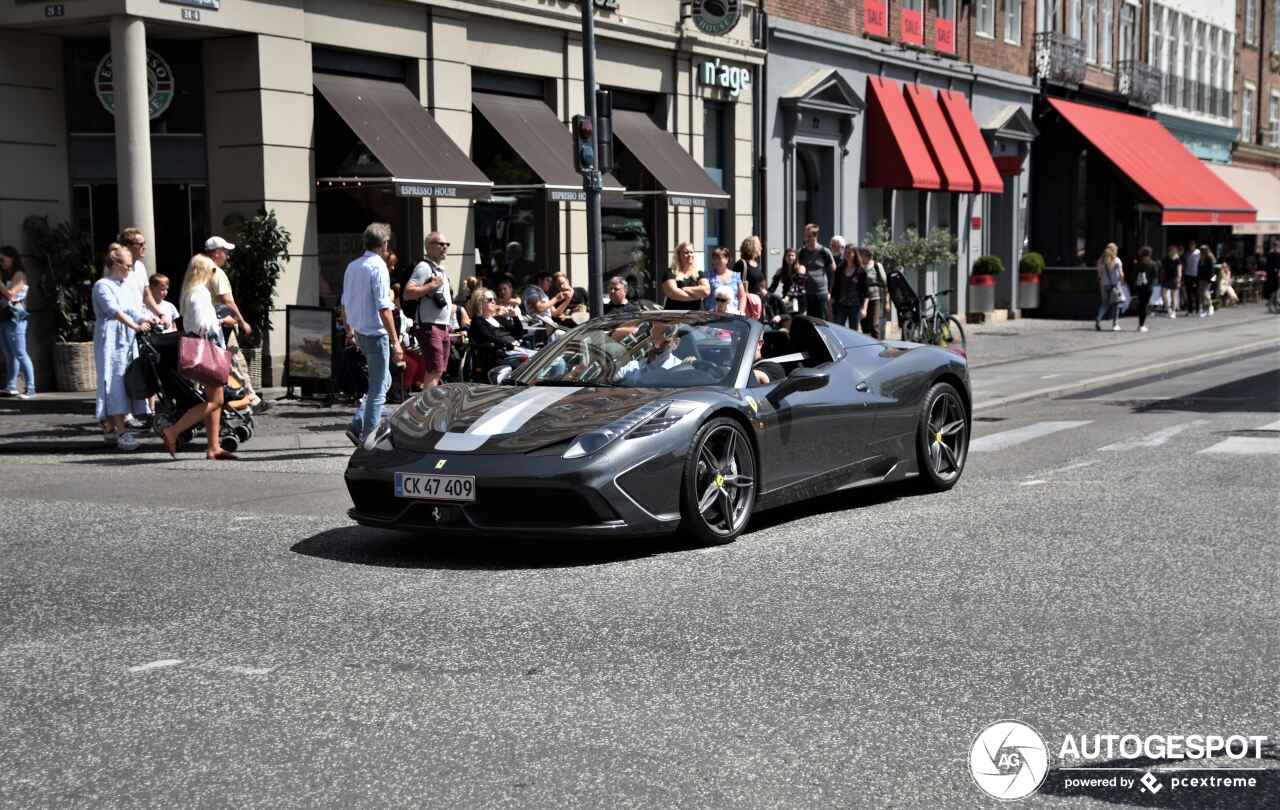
point(1264, 794)
point(360, 545)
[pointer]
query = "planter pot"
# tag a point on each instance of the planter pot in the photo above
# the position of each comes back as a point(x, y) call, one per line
point(982, 295)
point(253, 361)
point(1028, 290)
point(73, 367)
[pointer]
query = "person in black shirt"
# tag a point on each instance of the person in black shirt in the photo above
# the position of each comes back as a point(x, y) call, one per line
point(495, 332)
point(849, 293)
point(749, 267)
point(765, 371)
point(819, 265)
point(618, 297)
point(682, 285)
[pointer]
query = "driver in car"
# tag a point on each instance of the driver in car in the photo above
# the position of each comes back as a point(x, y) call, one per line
point(658, 356)
point(765, 371)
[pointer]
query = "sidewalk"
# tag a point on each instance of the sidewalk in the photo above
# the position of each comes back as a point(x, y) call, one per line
point(1010, 361)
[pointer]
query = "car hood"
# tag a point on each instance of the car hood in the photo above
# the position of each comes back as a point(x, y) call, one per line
point(471, 418)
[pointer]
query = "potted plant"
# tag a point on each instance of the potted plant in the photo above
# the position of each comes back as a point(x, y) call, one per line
point(67, 284)
point(982, 285)
point(911, 251)
point(1029, 269)
point(254, 267)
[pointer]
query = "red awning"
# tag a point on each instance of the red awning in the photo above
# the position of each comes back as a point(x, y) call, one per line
point(1158, 164)
point(896, 154)
point(944, 150)
point(976, 155)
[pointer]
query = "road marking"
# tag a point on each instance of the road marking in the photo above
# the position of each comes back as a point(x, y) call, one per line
point(1008, 438)
point(1155, 439)
point(1245, 446)
point(1272, 426)
point(1050, 376)
point(251, 670)
point(166, 662)
point(1033, 483)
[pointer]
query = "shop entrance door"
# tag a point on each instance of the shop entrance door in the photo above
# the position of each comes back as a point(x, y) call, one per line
point(181, 215)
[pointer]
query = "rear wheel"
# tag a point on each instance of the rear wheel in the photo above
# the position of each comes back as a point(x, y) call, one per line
point(913, 331)
point(942, 438)
point(718, 489)
point(953, 336)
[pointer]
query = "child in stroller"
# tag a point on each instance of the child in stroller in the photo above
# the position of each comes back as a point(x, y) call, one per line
point(175, 394)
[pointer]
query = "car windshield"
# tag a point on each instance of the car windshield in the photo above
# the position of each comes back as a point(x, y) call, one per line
point(662, 350)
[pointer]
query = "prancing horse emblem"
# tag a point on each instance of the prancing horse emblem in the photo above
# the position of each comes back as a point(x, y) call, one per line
point(435, 514)
point(440, 464)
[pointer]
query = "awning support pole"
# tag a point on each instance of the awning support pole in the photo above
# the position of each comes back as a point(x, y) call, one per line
point(591, 178)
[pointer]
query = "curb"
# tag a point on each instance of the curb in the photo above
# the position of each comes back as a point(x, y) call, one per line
point(1125, 376)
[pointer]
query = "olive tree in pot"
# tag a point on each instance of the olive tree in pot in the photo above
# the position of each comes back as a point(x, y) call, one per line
point(1029, 269)
point(254, 267)
point(66, 287)
point(912, 252)
point(982, 286)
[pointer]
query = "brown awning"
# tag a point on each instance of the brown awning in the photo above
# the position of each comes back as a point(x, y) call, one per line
point(682, 180)
point(421, 159)
point(538, 137)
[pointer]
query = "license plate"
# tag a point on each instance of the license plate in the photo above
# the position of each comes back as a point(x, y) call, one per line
point(436, 487)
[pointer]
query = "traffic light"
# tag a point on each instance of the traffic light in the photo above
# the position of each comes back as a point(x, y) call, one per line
point(584, 144)
point(604, 129)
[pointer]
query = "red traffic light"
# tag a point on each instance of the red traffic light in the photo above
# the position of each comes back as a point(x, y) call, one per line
point(585, 128)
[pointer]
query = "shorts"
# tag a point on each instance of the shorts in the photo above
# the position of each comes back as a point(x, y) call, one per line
point(433, 341)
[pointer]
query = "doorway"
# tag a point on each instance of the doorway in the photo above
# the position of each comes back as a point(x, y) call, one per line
point(181, 212)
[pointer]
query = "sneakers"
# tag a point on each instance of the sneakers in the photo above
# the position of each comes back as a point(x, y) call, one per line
point(1172, 314)
point(27, 395)
point(1097, 326)
point(1115, 328)
point(1211, 310)
point(133, 423)
point(127, 442)
point(263, 405)
point(353, 436)
point(1142, 328)
point(1200, 314)
point(111, 437)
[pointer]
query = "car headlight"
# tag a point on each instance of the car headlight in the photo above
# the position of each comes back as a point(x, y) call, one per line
point(595, 440)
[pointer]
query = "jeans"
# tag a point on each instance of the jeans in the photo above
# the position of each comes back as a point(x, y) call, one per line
point(847, 316)
point(13, 339)
point(1106, 308)
point(377, 352)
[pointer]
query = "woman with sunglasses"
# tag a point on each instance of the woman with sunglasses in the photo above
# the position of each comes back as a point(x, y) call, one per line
point(119, 315)
point(495, 332)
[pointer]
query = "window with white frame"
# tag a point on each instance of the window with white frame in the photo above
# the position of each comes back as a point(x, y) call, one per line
point(1251, 22)
point(1127, 29)
point(1013, 21)
point(1248, 101)
point(1155, 51)
point(1197, 67)
point(987, 18)
point(1275, 28)
point(1273, 137)
point(1108, 29)
point(1046, 15)
point(1091, 30)
point(1073, 19)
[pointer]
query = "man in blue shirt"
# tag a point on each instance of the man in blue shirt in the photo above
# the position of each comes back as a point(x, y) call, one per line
point(368, 315)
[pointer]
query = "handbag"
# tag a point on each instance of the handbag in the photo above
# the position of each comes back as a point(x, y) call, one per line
point(141, 379)
point(203, 361)
point(1117, 295)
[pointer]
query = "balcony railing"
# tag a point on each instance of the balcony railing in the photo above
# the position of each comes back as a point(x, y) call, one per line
point(1059, 58)
point(1188, 94)
point(1139, 81)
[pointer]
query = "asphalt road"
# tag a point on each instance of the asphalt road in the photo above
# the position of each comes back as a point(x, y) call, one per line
point(183, 633)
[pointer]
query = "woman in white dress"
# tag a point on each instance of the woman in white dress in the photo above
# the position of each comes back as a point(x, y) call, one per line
point(119, 315)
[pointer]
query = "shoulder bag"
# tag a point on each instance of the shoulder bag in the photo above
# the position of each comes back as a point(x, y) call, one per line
point(203, 361)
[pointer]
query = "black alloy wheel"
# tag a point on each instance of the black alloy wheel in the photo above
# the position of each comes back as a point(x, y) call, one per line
point(942, 439)
point(718, 490)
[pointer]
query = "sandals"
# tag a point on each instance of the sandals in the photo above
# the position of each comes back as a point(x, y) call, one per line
point(222, 455)
point(170, 445)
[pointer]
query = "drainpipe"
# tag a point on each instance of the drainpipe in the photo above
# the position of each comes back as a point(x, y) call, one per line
point(760, 95)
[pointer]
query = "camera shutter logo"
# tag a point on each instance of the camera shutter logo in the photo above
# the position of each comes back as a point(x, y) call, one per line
point(160, 85)
point(715, 17)
point(1008, 760)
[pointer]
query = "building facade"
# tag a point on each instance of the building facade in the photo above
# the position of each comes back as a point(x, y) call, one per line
point(838, 78)
point(316, 110)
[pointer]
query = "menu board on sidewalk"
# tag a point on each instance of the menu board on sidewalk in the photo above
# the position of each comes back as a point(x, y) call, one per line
point(310, 338)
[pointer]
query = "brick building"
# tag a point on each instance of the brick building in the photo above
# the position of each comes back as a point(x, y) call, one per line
point(909, 112)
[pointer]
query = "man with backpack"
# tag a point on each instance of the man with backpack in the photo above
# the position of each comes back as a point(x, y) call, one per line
point(877, 300)
point(429, 287)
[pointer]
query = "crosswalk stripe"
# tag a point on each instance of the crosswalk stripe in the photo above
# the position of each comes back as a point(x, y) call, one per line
point(1272, 426)
point(1009, 438)
point(1155, 439)
point(1246, 446)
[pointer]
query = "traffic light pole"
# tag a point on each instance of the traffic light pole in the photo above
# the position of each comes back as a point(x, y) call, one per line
point(591, 178)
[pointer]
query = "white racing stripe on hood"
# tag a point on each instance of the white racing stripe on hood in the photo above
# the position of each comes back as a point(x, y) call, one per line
point(508, 417)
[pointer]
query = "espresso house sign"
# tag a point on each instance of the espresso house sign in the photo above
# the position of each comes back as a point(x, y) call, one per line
point(715, 17)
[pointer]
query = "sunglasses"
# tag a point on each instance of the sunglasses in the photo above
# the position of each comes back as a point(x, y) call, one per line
point(441, 244)
point(489, 300)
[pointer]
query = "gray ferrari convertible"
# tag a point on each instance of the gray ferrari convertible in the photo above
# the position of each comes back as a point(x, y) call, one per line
point(661, 421)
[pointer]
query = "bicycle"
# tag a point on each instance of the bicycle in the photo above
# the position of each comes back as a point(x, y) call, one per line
point(932, 325)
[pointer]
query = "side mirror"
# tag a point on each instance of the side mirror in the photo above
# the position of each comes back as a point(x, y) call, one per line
point(802, 379)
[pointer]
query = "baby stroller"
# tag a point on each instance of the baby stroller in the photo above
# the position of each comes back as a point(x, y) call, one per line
point(175, 394)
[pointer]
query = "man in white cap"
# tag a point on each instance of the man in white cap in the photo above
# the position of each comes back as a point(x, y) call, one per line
point(218, 249)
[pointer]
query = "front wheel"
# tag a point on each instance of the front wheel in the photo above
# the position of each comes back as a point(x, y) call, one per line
point(942, 438)
point(718, 489)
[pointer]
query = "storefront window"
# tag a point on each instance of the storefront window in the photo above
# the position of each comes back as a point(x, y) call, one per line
point(632, 236)
point(517, 212)
point(182, 99)
point(713, 159)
